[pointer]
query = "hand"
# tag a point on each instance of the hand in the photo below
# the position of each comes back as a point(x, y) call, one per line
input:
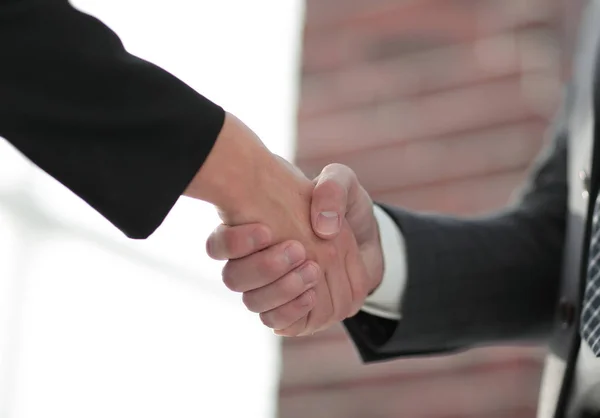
point(248, 184)
point(260, 269)
point(338, 192)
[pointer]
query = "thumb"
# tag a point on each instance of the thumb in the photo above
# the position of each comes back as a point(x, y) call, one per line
point(330, 199)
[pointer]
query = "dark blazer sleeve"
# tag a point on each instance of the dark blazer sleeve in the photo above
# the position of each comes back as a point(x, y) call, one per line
point(123, 134)
point(478, 281)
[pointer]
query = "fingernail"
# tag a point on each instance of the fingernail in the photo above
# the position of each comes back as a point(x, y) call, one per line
point(294, 253)
point(309, 274)
point(328, 223)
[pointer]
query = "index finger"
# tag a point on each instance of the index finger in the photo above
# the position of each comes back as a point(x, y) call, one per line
point(232, 242)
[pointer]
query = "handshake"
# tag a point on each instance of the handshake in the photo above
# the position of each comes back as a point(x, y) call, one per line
point(304, 254)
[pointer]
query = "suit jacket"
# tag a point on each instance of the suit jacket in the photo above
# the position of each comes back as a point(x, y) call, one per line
point(516, 275)
point(123, 134)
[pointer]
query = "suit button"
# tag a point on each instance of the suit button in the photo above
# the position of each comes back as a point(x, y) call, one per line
point(566, 313)
point(585, 183)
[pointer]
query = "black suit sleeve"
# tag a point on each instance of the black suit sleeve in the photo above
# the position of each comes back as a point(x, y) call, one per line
point(123, 134)
point(478, 281)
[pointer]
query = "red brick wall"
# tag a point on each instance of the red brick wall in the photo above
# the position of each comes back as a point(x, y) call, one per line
point(438, 105)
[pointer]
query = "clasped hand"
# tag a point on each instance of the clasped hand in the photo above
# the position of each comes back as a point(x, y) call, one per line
point(310, 260)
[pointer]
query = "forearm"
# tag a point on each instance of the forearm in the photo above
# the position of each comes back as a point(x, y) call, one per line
point(123, 134)
point(486, 281)
point(232, 169)
point(245, 181)
point(477, 281)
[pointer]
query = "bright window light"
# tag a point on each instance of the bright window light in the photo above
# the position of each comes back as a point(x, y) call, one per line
point(102, 326)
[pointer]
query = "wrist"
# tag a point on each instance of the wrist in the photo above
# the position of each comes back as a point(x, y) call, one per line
point(247, 183)
point(232, 169)
point(278, 197)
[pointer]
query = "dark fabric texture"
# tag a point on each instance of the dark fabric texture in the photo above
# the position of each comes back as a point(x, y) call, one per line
point(590, 313)
point(517, 275)
point(123, 134)
point(478, 281)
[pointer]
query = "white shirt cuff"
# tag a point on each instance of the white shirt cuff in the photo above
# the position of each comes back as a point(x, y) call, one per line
point(386, 300)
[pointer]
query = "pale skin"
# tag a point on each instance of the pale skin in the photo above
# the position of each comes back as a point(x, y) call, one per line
point(267, 278)
point(326, 280)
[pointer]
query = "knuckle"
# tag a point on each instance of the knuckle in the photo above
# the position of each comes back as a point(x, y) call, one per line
point(232, 242)
point(259, 236)
point(209, 246)
point(329, 167)
point(287, 332)
point(213, 247)
point(246, 239)
point(313, 269)
point(296, 329)
point(339, 170)
point(330, 251)
point(334, 167)
point(285, 315)
point(304, 303)
point(249, 299)
point(228, 276)
point(292, 285)
point(268, 265)
point(330, 191)
point(289, 315)
point(345, 171)
point(351, 174)
point(217, 244)
point(267, 319)
point(335, 191)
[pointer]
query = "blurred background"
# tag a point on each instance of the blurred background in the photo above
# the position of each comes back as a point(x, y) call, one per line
point(439, 105)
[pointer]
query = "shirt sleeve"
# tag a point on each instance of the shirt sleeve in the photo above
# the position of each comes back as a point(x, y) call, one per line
point(385, 302)
point(121, 133)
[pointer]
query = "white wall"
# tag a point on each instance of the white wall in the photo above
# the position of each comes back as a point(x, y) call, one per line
point(95, 325)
